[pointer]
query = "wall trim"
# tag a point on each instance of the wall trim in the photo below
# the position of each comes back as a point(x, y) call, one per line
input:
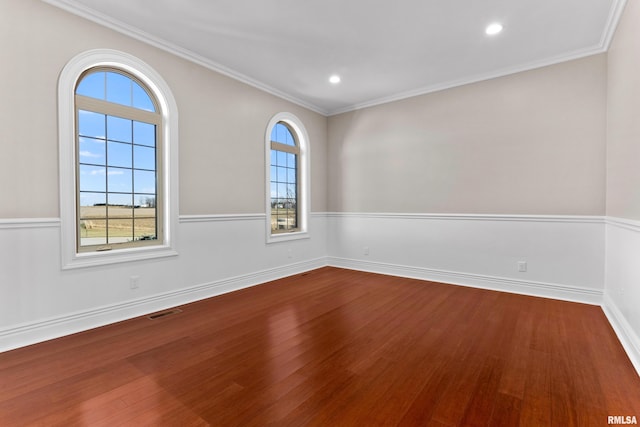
point(502, 284)
point(593, 219)
point(34, 332)
point(9, 223)
point(625, 333)
point(222, 217)
point(13, 223)
point(626, 224)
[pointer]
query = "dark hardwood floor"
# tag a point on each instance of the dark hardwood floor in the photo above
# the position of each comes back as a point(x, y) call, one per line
point(332, 347)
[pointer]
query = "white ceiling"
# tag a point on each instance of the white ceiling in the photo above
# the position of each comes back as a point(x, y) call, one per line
point(383, 49)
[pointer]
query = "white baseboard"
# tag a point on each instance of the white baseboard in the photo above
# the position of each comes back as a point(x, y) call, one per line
point(628, 338)
point(43, 330)
point(538, 289)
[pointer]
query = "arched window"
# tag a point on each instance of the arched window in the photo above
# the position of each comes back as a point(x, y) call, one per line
point(118, 160)
point(117, 139)
point(287, 178)
point(285, 153)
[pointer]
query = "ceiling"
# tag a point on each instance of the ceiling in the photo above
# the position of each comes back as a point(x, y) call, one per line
point(383, 50)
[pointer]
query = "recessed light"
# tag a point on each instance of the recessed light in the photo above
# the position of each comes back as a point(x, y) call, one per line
point(493, 29)
point(335, 79)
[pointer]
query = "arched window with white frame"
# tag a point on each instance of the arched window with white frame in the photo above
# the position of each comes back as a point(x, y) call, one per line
point(287, 154)
point(118, 160)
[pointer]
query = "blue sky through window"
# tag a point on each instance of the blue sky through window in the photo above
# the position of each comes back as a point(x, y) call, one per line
point(115, 87)
point(281, 133)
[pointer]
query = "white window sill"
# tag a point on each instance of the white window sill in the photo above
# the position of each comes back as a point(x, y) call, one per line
point(94, 259)
point(286, 237)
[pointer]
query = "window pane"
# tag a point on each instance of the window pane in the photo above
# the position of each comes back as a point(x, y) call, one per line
point(291, 160)
point(93, 205)
point(144, 157)
point(282, 158)
point(144, 225)
point(120, 220)
point(274, 157)
point(144, 134)
point(291, 191)
point(91, 124)
point(117, 200)
point(141, 99)
point(119, 154)
point(280, 133)
point(119, 129)
point(274, 190)
point(144, 182)
point(282, 191)
point(91, 151)
point(273, 174)
point(289, 138)
point(120, 230)
point(120, 180)
point(119, 89)
point(291, 175)
point(282, 175)
point(274, 133)
point(93, 232)
point(144, 200)
point(92, 178)
point(92, 85)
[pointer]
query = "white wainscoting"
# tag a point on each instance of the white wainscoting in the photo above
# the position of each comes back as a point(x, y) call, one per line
point(565, 258)
point(217, 254)
point(564, 254)
point(622, 284)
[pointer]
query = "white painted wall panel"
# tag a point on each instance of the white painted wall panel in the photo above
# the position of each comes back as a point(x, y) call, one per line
point(563, 254)
point(217, 254)
point(622, 289)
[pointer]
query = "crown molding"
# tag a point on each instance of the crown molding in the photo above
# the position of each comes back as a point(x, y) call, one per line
point(75, 8)
point(72, 6)
point(577, 54)
point(615, 13)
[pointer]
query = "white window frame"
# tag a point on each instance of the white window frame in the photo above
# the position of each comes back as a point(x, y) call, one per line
point(303, 176)
point(69, 78)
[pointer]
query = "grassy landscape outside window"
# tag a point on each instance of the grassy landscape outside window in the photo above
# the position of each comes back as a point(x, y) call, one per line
point(118, 143)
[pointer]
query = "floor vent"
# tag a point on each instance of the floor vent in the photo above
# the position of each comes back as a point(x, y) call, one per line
point(164, 313)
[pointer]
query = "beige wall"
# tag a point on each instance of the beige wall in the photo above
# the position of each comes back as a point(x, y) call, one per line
point(222, 121)
point(623, 127)
point(529, 143)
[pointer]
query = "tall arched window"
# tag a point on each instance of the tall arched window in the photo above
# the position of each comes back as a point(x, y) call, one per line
point(118, 160)
point(287, 178)
point(117, 167)
point(285, 154)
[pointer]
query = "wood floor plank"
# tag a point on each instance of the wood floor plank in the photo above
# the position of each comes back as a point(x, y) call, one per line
point(332, 347)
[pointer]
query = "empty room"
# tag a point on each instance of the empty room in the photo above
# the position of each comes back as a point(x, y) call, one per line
point(280, 213)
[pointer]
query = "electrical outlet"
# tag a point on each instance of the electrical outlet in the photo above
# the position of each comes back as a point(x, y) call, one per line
point(134, 282)
point(522, 266)
point(366, 250)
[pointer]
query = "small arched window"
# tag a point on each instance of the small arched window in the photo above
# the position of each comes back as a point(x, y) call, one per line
point(286, 178)
point(285, 153)
point(117, 163)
